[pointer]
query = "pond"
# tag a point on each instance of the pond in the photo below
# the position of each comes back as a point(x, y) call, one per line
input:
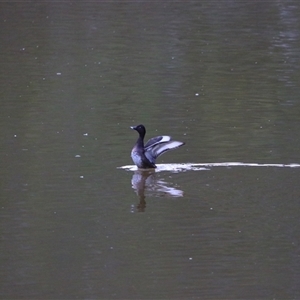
point(218, 218)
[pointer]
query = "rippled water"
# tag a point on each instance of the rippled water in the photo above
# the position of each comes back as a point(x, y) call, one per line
point(204, 166)
point(223, 78)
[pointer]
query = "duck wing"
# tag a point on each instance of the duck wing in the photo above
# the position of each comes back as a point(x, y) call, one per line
point(157, 149)
point(156, 140)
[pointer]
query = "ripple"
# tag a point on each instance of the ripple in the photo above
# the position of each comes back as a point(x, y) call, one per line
point(207, 166)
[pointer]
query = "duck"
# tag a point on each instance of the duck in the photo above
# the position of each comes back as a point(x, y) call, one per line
point(144, 156)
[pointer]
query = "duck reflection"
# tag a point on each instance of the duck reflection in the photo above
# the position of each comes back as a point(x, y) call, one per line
point(147, 182)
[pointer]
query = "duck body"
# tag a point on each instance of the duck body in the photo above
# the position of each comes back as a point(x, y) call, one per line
point(144, 156)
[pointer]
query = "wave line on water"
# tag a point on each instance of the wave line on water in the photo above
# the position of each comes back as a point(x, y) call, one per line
point(241, 164)
point(207, 166)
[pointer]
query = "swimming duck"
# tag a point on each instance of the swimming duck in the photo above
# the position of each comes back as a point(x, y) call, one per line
point(144, 156)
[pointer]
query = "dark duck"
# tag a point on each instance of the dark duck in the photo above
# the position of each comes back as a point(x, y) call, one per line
point(144, 156)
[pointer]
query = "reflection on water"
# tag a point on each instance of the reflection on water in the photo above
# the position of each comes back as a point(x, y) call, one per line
point(146, 181)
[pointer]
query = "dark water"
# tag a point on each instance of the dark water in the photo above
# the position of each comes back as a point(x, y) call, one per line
point(223, 77)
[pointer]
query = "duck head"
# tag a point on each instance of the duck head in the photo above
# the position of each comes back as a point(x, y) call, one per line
point(140, 129)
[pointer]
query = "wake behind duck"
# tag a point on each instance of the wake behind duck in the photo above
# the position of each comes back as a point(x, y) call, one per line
point(175, 168)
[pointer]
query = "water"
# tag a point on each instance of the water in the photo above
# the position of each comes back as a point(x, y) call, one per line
point(223, 78)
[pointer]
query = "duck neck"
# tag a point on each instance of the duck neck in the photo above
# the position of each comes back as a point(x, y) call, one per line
point(140, 142)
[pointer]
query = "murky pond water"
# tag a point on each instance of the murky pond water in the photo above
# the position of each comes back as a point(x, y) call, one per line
point(223, 78)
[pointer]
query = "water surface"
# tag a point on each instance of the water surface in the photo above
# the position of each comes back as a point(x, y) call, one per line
point(223, 78)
